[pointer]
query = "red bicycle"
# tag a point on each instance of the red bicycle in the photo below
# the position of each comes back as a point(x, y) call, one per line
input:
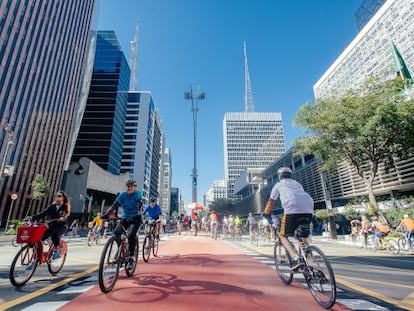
point(32, 254)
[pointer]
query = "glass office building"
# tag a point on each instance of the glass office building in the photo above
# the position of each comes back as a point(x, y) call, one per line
point(101, 134)
point(142, 149)
point(43, 47)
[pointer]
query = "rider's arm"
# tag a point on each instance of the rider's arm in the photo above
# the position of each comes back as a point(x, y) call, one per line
point(113, 208)
point(269, 206)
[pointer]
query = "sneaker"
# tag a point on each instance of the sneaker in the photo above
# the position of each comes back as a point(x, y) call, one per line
point(56, 254)
point(130, 264)
point(296, 266)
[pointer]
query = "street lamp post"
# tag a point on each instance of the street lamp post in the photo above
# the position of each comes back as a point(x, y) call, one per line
point(194, 108)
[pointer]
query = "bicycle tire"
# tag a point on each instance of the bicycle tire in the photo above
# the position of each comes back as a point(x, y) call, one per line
point(357, 240)
point(393, 247)
point(23, 266)
point(402, 243)
point(130, 272)
point(155, 246)
point(89, 239)
point(319, 277)
point(109, 264)
point(146, 248)
point(55, 265)
point(283, 261)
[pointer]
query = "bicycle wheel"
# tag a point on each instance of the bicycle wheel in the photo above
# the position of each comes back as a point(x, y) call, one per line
point(130, 272)
point(155, 246)
point(89, 239)
point(392, 247)
point(319, 277)
point(98, 239)
point(146, 248)
point(283, 262)
point(55, 265)
point(24, 264)
point(357, 240)
point(109, 265)
point(402, 243)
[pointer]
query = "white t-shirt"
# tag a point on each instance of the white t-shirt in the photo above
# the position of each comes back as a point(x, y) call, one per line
point(292, 196)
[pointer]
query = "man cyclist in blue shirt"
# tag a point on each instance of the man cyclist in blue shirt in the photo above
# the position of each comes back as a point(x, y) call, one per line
point(131, 203)
point(153, 211)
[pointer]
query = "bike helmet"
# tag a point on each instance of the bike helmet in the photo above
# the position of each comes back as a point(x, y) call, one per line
point(130, 181)
point(284, 172)
point(153, 199)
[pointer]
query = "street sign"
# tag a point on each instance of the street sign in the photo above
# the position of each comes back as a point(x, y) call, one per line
point(13, 196)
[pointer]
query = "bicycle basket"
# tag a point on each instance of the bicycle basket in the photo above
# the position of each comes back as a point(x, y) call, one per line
point(30, 234)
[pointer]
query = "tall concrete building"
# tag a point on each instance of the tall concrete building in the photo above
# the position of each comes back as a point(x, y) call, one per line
point(43, 50)
point(366, 11)
point(101, 133)
point(251, 140)
point(371, 53)
point(217, 190)
point(165, 181)
point(142, 151)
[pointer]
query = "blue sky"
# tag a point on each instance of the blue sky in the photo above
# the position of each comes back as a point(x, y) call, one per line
point(184, 43)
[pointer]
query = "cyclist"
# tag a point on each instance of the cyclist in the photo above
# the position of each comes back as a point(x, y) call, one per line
point(298, 210)
point(251, 223)
point(58, 212)
point(213, 220)
point(131, 202)
point(407, 226)
point(380, 230)
point(98, 224)
point(153, 212)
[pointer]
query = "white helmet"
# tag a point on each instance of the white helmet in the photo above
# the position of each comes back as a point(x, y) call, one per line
point(284, 172)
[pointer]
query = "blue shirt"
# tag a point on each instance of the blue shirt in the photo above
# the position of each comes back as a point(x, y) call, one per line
point(129, 203)
point(153, 212)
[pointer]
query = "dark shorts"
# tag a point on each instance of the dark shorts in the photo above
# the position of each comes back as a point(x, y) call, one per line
point(290, 222)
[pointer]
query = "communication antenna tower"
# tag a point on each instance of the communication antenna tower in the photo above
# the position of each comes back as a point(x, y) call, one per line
point(248, 96)
point(134, 60)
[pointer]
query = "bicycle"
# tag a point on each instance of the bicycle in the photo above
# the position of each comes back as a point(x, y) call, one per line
point(114, 255)
point(150, 241)
point(32, 254)
point(317, 270)
point(214, 226)
point(388, 244)
point(93, 235)
point(406, 241)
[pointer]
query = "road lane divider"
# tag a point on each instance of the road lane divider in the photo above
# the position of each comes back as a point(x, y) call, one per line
point(47, 289)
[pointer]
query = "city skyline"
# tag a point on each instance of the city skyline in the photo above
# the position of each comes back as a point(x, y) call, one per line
point(289, 47)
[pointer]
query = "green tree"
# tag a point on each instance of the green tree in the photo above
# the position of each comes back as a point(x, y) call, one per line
point(359, 127)
point(223, 207)
point(40, 189)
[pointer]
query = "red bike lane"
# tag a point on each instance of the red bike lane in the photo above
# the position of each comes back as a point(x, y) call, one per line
point(199, 273)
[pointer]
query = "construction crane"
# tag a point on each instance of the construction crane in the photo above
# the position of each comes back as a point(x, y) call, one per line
point(134, 60)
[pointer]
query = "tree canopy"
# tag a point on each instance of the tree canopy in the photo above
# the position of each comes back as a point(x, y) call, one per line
point(366, 127)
